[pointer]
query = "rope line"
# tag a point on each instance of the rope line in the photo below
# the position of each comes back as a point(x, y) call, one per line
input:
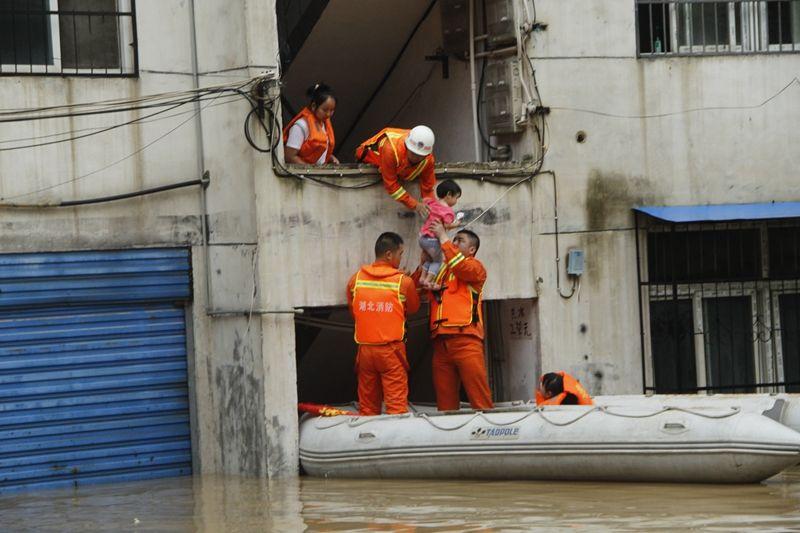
point(354, 422)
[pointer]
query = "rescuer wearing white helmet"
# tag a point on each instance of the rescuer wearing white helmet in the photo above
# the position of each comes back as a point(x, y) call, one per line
point(402, 156)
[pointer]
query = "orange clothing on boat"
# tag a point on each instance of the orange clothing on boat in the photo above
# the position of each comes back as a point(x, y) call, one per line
point(457, 360)
point(380, 297)
point(382, 376)
point(457, 330)
point(456, 309)
point(387, 151)
point(573, 393)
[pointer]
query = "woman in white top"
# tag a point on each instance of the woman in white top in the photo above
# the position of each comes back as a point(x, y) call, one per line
point(308, 138)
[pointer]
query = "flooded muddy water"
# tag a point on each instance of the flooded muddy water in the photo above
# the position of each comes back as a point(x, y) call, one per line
point(226, 503)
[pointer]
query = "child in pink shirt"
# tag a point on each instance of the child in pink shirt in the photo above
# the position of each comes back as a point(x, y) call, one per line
point(448, 192)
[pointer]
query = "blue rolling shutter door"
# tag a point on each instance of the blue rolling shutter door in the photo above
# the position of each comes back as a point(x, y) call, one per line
point(93, 370)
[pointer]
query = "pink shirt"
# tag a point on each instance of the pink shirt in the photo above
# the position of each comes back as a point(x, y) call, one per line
point(439, 211)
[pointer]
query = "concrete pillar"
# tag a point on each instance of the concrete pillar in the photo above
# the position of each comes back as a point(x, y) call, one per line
point(280, 390)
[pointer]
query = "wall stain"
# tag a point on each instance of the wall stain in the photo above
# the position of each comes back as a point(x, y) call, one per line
point(240, 420)
point(490, 218)
point(276, 457)
point(611, 196)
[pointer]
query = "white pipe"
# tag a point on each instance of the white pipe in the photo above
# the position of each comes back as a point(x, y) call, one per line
point(521, 51)
point(472, 78)
point(201, 160)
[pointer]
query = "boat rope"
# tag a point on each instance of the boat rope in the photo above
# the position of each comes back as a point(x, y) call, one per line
point(360, 421)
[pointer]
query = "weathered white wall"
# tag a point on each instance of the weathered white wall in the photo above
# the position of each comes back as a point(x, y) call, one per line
point(586, 60)
point(228, 372)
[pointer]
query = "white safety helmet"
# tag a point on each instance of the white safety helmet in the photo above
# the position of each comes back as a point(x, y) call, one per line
point(420, 140)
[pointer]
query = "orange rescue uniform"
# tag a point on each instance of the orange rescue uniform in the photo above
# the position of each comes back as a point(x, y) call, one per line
point(457, 331)
point(319, 139)
point(380, 297)
point(571, 387)
point(387, 151)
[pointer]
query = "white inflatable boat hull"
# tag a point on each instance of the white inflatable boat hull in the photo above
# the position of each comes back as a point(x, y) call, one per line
point(781, 407)
point(717, 445)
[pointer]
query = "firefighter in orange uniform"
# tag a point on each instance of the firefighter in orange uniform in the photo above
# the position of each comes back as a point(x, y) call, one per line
point(380, 297)
point(457, 323)
point(402, 156)
point(559, 388)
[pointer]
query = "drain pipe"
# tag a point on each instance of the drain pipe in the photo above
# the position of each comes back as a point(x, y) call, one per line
point(201, 161)
point(472, 81)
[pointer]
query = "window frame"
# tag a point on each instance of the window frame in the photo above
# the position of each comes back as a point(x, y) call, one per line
point(753, 29)
point(126, 38)
point(765, 307)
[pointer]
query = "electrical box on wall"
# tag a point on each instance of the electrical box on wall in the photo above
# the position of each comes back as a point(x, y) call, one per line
point(500, 22)
point(455, 27)
point(575, 262)
point(503, 89)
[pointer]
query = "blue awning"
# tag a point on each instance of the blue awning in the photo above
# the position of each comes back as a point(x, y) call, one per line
point(723, 212)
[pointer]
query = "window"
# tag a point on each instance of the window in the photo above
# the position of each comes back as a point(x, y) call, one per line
point(703, 27)
point(73, 37)
point(721, 306)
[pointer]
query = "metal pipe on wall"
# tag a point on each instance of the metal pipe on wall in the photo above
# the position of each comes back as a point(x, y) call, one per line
point(476, 134)
point(201, 161)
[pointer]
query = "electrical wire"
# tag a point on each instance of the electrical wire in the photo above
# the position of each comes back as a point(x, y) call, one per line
point(508, 190)
point(113, 103)
point(273, 139)
point(103, 111)
point(484, 138)
point(414, 92)
point(98, 170)
point(106, 128)
point(794, 81)
point(142, 120)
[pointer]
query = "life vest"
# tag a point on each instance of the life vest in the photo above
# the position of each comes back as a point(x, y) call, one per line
point(393, 138)
point(458, 304)
point(571, 386)
point(318, 138)
point(378, 308)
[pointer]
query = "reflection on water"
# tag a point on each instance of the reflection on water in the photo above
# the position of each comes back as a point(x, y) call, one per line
point(216, 503)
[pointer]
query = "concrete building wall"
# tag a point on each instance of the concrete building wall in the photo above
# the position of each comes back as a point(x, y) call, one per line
point(235, 42)
point(279, 243)
point(715, 144)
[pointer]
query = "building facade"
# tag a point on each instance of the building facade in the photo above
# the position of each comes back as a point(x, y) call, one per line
point(634, 103)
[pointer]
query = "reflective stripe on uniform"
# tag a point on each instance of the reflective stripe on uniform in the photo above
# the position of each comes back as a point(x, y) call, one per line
point(388, 285)
point(399, 193)
point(391, 138)
point(417, 170)
point(456, 260)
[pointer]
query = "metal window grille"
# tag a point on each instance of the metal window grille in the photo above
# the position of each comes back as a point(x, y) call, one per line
point(68, 37)
point(720, 306)
point(708, 27)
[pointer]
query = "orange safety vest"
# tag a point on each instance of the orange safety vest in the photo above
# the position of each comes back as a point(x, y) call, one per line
point(571, 386)
point(458, 303)
point(370, 152)
point(318, 138)
point(378, 308)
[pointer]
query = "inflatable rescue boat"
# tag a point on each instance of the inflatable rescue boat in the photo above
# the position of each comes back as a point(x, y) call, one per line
point(637, 441)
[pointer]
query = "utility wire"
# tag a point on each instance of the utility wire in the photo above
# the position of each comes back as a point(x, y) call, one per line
point(128, 101)
point(104, 129)
point(96, 171)
point(142, 120)
point(795, 81)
